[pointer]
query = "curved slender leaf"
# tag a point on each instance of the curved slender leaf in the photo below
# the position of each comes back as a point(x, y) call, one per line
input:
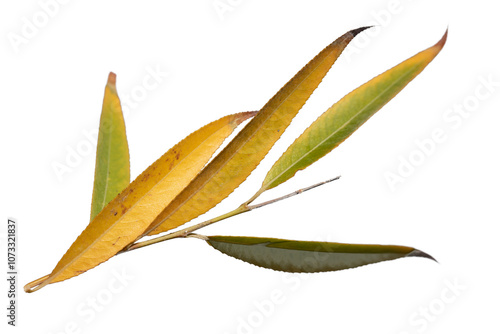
point(242, 155)
point(129, 214)
point(307, 256)
point(346, 116)
point(112, 166)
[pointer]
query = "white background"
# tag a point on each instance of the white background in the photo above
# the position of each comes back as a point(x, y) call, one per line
point(221, 62)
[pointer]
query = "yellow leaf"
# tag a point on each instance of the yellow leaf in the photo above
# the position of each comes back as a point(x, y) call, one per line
point(129, 214)
point(242, 155)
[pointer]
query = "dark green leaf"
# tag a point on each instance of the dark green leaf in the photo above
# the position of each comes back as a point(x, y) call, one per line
point(307, 256)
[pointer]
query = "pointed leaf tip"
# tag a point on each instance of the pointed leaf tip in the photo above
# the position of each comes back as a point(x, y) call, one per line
point(112, 79)
point(419, 253)
point(443, 39)
point(355, 32)
point(240, 118)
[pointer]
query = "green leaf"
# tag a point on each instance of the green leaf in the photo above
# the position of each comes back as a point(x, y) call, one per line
point(308, 256)
point(112, 167)
point(346, 116)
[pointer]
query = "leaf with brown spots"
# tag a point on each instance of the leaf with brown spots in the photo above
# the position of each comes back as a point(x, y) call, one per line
point(129, 214)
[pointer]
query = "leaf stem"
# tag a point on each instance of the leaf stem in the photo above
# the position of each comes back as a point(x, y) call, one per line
point(197, 236)
point(241, 209)
point(254, 197)
point(296, 192)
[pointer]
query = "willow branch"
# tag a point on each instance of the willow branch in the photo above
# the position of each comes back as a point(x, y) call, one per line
point(241, 209)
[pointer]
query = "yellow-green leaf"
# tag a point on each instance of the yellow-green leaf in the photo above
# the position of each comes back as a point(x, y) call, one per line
point(307, 256)
point(129, 214)
point(242, 155)
point(112, 167)
point(346, 116)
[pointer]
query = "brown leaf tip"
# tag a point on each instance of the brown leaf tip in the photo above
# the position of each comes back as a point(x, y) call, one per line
point(354, 32)
point(251, 113)
point(243, 116)
point(112, 79)
point(443, 39)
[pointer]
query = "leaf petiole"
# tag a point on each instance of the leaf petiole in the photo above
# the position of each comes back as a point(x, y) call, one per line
point(296, 192)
